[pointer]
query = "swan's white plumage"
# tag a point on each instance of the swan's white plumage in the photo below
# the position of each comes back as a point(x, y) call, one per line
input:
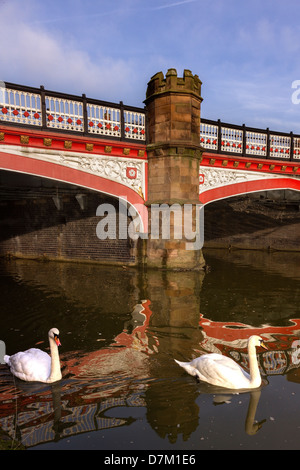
point(31, 365)
point(223, 371)
point(35, 365)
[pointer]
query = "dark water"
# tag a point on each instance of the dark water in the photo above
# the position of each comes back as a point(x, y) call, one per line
point(120, 331)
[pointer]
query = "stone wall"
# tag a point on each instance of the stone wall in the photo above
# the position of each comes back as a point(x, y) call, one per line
point(259, 221)
point(63, 227)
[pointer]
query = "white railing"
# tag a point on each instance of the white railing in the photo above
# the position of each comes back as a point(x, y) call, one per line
point(51, 110)
point(20, 107)
point(256, 144)
point(226, 138)
point(209, 136)
point(231, 140)
point(36, 107)
point(64, 114)
point(280, 146)
point(135, 125)
point(104, 120)
point(296, 154)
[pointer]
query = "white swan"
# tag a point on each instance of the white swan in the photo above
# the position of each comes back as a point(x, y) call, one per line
point(35, 365)
point(225, 372)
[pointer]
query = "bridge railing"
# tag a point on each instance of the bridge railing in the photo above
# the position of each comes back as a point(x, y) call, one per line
point(220, 137)
point(43, 109)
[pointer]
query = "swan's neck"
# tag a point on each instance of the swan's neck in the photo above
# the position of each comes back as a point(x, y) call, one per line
point(255, 378)
point(55, 373)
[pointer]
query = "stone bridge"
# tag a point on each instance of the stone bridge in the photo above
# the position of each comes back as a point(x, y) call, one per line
point(52, 144)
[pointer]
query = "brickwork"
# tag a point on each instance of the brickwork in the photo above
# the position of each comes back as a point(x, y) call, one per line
point(37, 228)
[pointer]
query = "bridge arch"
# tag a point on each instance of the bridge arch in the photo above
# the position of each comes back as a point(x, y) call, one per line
point(258, 214)
point(46, 219)
point(73, 176)
point(236, 189)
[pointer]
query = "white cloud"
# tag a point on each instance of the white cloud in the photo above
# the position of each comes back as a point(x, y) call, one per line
point(247, 63)
point(258, 101)
point(38, 57)
point(171, 5)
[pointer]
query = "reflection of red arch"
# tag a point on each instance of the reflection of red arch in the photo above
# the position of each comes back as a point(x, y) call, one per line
point(248, 187)
point(233, 331)
point(282, 342)
point(115, 356)
point(44, 169)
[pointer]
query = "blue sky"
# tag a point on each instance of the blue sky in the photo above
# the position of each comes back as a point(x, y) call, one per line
point(245, 52)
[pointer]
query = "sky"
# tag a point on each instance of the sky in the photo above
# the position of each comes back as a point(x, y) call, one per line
point(245, 52)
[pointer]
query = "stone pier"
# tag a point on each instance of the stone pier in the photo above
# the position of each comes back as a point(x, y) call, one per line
point(174, 153)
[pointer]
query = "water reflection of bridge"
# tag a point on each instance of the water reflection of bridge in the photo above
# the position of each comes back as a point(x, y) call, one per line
point(116, 380)
point(50, 418)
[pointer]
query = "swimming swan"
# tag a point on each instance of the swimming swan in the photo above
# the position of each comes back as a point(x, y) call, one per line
point(225, 372)
point(35, 365)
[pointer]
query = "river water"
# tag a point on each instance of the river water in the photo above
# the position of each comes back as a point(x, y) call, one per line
point(121, 329)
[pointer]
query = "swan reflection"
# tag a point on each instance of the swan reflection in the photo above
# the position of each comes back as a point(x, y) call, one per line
point(224, 397)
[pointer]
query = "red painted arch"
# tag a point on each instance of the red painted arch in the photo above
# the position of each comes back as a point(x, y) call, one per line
point(236, 189)
point(54, 171)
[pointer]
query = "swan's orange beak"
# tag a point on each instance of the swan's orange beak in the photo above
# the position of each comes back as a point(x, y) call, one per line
point(262, 344)
point(56, 339)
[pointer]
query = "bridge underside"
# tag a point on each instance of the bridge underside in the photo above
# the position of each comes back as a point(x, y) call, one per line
point(263, 220)
point(42, 218)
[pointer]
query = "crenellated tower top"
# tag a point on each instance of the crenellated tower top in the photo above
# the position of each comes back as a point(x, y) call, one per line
point(189, 83)
point(173, 109)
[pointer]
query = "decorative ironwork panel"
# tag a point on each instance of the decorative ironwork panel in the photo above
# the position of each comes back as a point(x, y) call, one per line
point(296, 148)
point(256, 144)
point(209, 136)
point(280, 146)
point(103, 120)
point(21, 107)
point(64, 114)
point(134, 125)
point(231, 140)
